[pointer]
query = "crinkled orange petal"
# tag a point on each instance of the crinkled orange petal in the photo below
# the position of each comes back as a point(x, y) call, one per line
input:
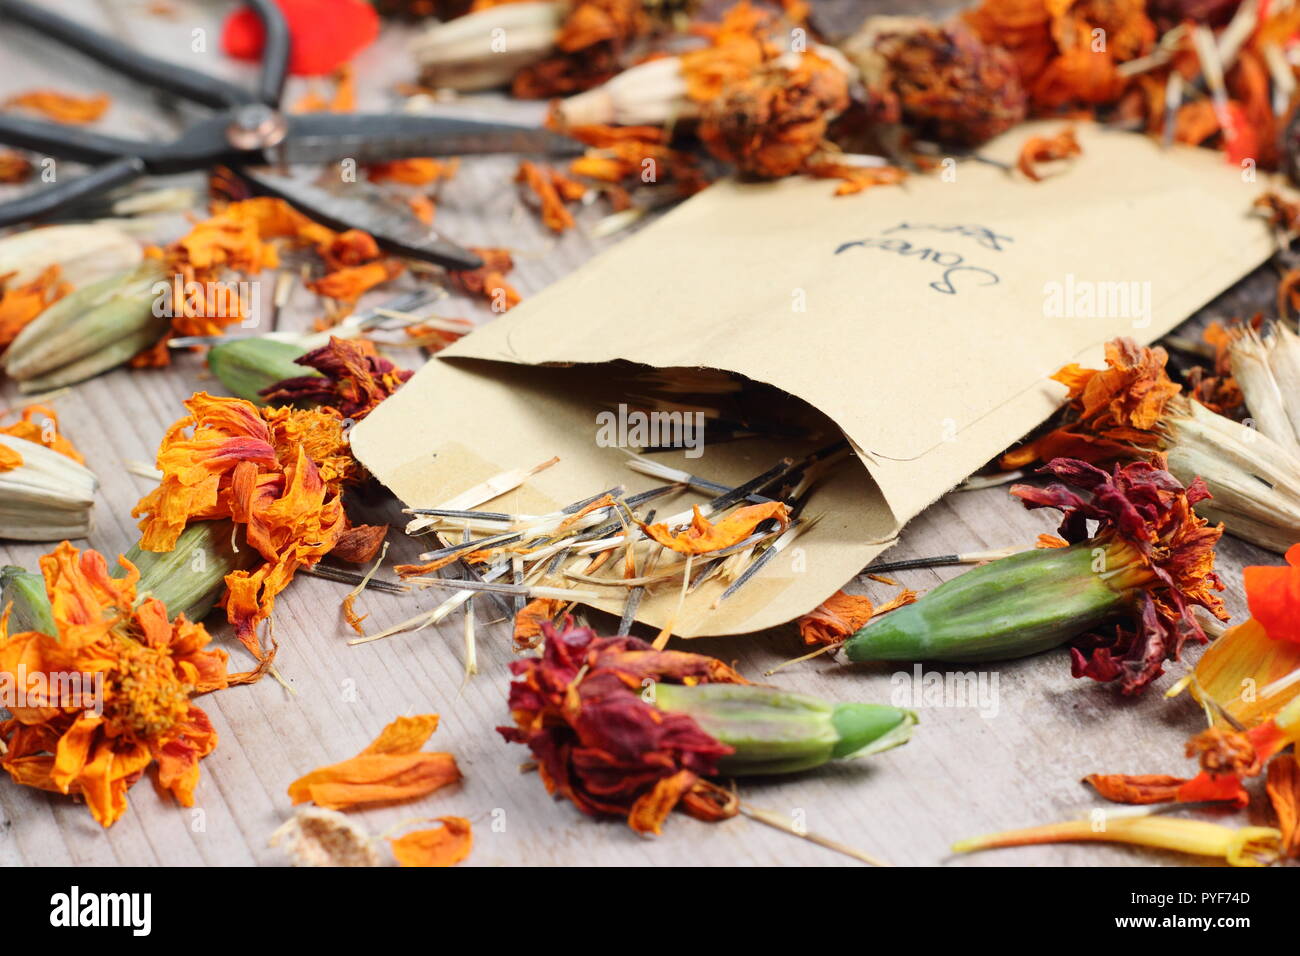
point(1273, 594)
point(351, 283)
point(704, 536)
point(376, 778)
point(651, 809)
point(405, 735)
point(63, 107)
point(445, 845)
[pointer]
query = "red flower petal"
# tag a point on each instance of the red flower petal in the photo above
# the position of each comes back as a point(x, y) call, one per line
point(1273, 595)
point(324, 34)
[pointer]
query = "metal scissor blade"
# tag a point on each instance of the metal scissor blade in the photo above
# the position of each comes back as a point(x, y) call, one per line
point(376, 137)
point(395, 230)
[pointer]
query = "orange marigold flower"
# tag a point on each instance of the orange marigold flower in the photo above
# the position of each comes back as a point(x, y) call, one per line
point(149, 667)
point(1109, 411)
point(278, 472)
point(354, 378)
point(597, 742)
point(392, 768)
point(941, 80)
point(589, 49)
point(738, 45)
point(1021, 27)
point(772, 122)
point(1155, 546)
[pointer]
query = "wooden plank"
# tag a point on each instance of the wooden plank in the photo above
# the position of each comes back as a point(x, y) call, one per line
point(964, 773)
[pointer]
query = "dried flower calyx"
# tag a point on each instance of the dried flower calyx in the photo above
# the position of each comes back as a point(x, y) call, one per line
point(623, 729)
point(1149, 561)
point(354, 378)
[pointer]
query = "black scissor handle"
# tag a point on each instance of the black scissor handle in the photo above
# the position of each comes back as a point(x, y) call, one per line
point(42, 202)
point(169, 77)
point(275, 52)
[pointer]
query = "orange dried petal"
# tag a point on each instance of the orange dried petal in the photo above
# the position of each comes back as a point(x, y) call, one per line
point(704, 536)
point(445, 845)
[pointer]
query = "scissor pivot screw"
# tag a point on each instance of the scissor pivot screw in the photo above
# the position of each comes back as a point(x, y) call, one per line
point(256, 127)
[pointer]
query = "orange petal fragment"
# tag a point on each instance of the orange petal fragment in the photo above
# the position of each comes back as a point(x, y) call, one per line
point(390, 769)
point(1273, 594)
point(835, 618)
point(405, 735)
point(703, 536)
point(1046, 149)
point(445, 845)
point(62, 107)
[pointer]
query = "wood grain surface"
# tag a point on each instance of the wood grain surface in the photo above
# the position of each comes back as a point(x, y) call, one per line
point(965, 772)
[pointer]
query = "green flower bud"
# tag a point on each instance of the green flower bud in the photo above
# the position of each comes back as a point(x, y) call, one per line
point(94, 329)
point(247, 366)
point(190, 578)
point(775, 731)
point(23, 592)
point(1016, 606)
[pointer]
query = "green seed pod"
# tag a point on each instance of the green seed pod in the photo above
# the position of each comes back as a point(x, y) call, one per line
point(775, 731)
point(190, 578)
point(90, 331)
point(1016, 606)
point(247, 366)
point(23, 592)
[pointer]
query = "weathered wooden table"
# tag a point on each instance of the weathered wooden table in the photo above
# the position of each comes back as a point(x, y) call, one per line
point(1013, 762)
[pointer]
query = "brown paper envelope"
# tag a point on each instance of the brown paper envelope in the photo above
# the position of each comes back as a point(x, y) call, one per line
point(923, 321)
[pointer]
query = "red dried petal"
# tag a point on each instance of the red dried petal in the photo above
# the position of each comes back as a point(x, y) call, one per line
point(579, 708)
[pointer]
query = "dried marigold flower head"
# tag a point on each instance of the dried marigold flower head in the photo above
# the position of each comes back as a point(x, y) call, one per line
point(354, 379)
point(579, 708)
point(772, 122)
point(60, 740)
point(278, 472)
point(1110, 411)
point(939, 79)
point(589, 49)
point(1157, 549)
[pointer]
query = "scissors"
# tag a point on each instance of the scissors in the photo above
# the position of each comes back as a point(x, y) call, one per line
point(247, 132)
